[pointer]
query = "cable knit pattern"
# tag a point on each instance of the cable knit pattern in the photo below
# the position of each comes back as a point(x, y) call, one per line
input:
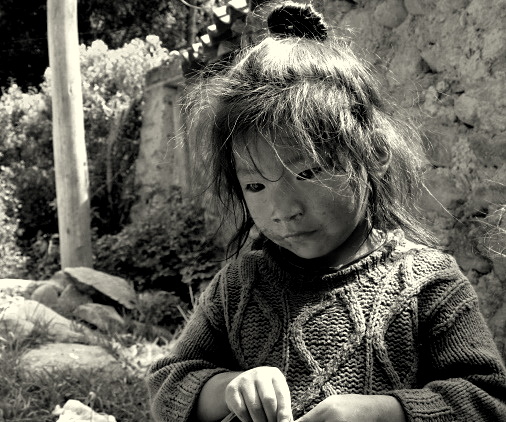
point(403, 321)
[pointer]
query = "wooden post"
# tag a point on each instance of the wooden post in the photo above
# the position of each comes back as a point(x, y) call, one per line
point(71, 165)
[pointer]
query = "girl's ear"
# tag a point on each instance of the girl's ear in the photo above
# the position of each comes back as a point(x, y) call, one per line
point(383, 162)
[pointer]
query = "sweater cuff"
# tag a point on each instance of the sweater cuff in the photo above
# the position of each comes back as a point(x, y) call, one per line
point(423, 405)
point(189, 391)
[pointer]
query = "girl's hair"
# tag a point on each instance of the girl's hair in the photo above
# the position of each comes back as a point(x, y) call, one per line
point(300, 84)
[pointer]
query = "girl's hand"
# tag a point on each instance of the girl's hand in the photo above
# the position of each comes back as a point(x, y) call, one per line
point(356, 408)
point(260, 395)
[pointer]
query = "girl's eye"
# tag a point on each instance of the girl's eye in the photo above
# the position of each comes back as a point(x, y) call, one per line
point(309, 173)
point(254, 187)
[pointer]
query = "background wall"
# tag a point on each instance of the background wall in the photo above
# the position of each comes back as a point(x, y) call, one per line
point(444, 62)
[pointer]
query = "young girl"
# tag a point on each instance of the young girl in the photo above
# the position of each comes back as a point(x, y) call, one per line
point(342, 310)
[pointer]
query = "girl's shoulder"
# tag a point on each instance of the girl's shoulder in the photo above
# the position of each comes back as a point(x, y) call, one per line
point(422, 259)
point(435, 277)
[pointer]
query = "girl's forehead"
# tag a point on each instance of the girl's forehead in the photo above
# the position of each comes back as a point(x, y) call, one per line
point(258, 155)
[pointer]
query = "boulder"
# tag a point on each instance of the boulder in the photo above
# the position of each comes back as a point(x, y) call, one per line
point(75, 411)
point(60, 279)
point(61, 356)
point(390, 13)
point(14, 286)
point(24, 316)
point(71, 298)
point(45, 294)
point(90, 281)
point(104, 317)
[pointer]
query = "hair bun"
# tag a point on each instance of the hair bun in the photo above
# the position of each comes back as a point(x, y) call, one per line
point(297, 20)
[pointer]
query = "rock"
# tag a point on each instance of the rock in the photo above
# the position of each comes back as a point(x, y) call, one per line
point(23, 317)
point(61, 280)
point(103, 317)
point(45, 294)
point(390, 13)
point(60, 356)
point(406, 65)
point(466, 109)
point(417, 7)
point(88, 280)
point(10, 287)
point(75, 411)
point(71, 298)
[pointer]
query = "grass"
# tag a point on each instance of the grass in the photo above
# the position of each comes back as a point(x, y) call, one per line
point(33, 397)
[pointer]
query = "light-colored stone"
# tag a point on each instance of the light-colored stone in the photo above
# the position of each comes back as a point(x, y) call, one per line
point(60, 279)
point(17, 284)
point(466, 109)
point(60, 356)
point(417, 7)
point(71, 298)
point(10, 287)
point(45, 294)
point(104, 317)
point(390, 13)
point(21, 318)
point(75, 411)
point(89, 281)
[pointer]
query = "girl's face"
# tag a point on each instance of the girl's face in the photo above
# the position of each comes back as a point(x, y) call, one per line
point(299, 206)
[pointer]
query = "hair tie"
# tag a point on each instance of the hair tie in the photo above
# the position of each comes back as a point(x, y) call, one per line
point(297, 20)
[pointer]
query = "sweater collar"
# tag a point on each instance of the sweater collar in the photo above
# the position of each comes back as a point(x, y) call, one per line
point(287, 266)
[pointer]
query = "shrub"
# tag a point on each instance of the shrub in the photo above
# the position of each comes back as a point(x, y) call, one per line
point(113, 83)
point(12, 261)
point(172, 251)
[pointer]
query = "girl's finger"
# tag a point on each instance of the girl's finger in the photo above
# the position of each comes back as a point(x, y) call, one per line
point(268, 398)
point(236, 404)
point(283, 400)
point(253, 403)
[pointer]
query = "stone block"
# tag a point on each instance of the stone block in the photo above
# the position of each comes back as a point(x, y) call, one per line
point(23, 317)
point(466, 109)
point(88, 281)
point(45, 294)
point(418, 7)
point(390, 13)
point(61, 356)
point(104, 317)
point(71, 298)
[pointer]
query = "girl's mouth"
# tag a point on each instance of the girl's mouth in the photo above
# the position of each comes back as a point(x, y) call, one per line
point(299, 235)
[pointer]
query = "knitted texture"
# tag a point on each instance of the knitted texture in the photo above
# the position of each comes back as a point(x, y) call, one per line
point(402, 321)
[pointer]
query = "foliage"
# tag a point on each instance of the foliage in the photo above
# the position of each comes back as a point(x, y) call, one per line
point(170, 251)
point(23, 27)
point(112, 100)
point(162, 309)
point(12, 261)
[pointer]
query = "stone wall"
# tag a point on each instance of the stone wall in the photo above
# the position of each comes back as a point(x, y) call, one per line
point(444, 62)
point(163, 156)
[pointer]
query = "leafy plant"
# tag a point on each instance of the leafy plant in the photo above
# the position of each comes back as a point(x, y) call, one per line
point(170, 251)
point(113, 83)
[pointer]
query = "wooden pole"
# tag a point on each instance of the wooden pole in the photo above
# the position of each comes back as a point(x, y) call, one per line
point(71, 165)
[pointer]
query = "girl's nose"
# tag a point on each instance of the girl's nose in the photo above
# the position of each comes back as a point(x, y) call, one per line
point(287, 205)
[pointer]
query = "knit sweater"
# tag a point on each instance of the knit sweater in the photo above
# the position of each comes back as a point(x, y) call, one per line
point(403, 321)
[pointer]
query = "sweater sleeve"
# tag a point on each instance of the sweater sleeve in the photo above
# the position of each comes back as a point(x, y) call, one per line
point(202, 351)
point(461, 371)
